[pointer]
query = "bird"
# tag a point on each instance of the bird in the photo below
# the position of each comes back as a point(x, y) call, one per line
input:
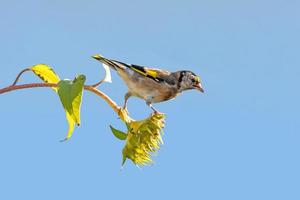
point(153, 85)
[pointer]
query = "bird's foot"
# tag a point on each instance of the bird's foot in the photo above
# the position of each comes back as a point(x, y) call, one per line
point(123, 114)
point(125, 109)
point(156, 112)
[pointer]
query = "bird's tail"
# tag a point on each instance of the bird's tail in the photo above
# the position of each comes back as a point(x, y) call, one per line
point(106, 61)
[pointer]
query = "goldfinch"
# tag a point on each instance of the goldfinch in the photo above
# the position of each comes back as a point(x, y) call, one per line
point(151, 84)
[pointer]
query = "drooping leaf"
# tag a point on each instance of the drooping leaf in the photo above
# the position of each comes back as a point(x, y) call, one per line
point(45, 73)
point(70, 94)
point(71, 126)
point(107, 77)
point(118, 134)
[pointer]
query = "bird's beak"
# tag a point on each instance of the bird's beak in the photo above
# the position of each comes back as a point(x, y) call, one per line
point(199, 87)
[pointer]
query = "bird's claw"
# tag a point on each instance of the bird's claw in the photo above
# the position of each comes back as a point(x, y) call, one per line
point(156, 112)
point(125, 109)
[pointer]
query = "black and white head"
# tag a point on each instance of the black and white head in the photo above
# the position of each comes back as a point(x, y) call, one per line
point(187, 80)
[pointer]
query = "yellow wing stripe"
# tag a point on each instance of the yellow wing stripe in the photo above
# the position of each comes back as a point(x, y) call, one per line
point(145, 72)
point(151, 73)
point(139, 71)
point(148, 72)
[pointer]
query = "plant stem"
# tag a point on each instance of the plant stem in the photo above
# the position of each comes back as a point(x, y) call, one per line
point(19, 75)
point(106, 98)
point(110, 102)
point(24, 86)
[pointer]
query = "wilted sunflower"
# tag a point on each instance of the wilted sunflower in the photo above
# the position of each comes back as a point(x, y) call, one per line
point(143, 138)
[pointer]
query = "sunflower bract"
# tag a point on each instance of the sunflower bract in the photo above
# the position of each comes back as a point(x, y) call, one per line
point(144, 138)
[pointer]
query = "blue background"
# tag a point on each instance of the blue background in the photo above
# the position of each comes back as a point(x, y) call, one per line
point(239, 140)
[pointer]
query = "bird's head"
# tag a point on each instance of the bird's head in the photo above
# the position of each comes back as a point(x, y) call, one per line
point(187, 80)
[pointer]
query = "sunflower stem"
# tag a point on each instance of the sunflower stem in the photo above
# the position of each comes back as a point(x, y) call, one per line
point(104, 96)
point(19, 75)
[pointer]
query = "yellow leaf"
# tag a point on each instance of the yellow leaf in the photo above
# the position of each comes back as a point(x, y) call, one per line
point(45, 73)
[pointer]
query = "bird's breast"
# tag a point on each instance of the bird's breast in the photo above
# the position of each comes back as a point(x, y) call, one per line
point(146, 88)
point(153, 93)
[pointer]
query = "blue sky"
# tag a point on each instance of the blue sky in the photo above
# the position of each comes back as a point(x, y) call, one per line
point(239, 140)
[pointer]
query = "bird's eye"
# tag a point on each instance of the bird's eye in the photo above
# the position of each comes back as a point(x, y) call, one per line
point(193, 80)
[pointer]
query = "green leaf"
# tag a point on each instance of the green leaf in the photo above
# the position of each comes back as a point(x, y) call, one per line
point(118, 134)
point(45, 73)
point(70, 94)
